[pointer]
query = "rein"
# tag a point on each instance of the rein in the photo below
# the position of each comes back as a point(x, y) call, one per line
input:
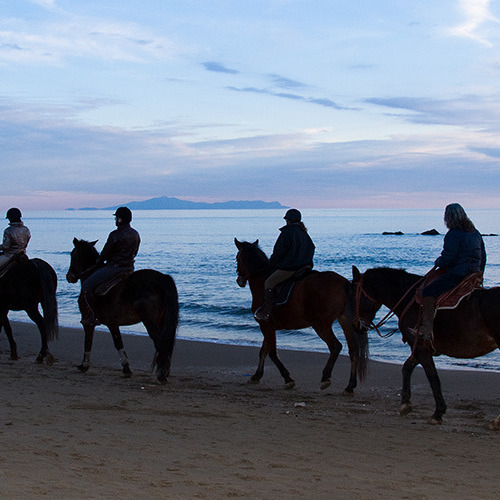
point(361, 291)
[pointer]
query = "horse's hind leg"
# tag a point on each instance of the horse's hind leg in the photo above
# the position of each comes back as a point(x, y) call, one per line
point(334, 346)
point(118, 343)
point(44, 353)
point(4, 321)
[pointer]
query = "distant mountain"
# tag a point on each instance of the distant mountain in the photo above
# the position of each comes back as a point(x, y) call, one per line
point(166, 203)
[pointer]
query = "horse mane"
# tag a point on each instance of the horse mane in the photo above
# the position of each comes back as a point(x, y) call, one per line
point(399, 275)
point(257, 260)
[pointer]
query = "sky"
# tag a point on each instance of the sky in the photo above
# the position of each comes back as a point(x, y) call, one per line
point(312, 103)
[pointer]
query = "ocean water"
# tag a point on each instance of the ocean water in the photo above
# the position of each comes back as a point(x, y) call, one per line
point(196, 248)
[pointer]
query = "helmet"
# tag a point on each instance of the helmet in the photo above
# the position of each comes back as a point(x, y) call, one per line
point(14, 214)
point(123, 213)
point(293, 215)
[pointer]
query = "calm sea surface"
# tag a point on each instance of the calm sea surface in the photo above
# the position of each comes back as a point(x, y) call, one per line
point(196, 247)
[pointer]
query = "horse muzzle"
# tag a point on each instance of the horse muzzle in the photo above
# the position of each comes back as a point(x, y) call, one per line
point(71, 278)
point(241, 281)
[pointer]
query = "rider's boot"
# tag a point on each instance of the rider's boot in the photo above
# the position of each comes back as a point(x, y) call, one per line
point(263, 313)
point(428, 310)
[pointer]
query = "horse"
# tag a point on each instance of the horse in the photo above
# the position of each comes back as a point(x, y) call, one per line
point(470, 330)
point(26, 284)
point(146, 296)
point(316, 300)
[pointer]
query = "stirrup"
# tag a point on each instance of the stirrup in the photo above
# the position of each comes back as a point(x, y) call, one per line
point(262, 315)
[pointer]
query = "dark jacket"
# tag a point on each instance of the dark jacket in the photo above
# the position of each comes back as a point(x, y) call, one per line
point(293, 250)
point(463, 253)
point(121, 247)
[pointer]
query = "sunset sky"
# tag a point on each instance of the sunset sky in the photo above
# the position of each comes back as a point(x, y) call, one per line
point(313, 103)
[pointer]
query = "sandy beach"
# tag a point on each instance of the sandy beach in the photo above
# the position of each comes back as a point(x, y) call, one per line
point(208, 433)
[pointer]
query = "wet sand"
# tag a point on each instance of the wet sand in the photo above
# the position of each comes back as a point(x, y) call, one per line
point(208, 433)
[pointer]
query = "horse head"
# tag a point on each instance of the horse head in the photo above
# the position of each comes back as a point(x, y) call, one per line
point(362, 300)
point(83, 259)
point(250, 260)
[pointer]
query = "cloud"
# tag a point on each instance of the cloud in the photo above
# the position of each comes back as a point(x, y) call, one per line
point(284, 82)
point(219, 68)
point(477, 13)
point(325, 102)
point(466, 111)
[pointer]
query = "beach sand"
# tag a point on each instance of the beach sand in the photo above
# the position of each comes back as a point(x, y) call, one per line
point(208, 433)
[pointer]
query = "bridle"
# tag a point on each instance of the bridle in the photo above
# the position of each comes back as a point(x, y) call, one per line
point(360, 291)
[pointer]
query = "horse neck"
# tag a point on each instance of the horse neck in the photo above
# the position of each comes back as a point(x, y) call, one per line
point(256, 284)
point(397, 294)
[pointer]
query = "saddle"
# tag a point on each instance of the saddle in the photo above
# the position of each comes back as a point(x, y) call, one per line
point(19, 257)
point(107, 286)
point(283, 290)
point(452, 298)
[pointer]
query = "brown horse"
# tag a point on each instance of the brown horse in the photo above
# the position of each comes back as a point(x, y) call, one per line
point(145, 296)
point(470, 330)
point(317, 301)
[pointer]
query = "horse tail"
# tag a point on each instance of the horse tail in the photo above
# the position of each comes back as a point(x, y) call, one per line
point(169, 321)
point(361, 339)
point(48, 283)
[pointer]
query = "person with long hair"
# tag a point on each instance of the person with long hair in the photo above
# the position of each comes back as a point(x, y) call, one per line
point(463, 253)
point(292, 252)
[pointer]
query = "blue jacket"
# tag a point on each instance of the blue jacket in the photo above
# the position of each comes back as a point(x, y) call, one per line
point(463, 253)
point(293, 249)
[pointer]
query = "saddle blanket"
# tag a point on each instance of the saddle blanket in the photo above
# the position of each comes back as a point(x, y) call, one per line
point(452, 298)
point(284, 290)
point(106, 287)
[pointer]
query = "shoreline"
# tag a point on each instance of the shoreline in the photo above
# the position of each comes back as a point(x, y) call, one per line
point(208, 433)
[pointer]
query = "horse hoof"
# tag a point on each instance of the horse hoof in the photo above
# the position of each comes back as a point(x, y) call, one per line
point(49, 359)
point(14, 357)
point(495, 424)
point(348, 392)
point(435, 421)
point(290, 385)
point(127, 373)
point(325, 384)
point(253, 380)
point(82, 368)
point(405, 409)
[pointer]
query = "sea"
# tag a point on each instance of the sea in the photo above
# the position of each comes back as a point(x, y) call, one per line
point(196, 247)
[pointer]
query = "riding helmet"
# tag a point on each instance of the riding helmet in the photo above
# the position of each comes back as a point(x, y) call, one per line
point(14, 214)
point(123, 213)
point(293, 215)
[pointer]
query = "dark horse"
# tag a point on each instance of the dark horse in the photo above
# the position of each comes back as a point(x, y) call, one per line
point(25, 285)
point(317, 300)
point(145, 296)
point(470, 330)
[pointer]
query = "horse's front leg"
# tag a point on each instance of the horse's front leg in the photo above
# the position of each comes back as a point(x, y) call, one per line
point(408, 367)
point(4, 321)
point(269, 347)
point(118, 343)
point(87, 347)
point(424, 355)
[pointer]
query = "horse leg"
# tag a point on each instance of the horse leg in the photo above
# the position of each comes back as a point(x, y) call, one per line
point(87, 347)
point(269, 347)
point(118, 343)
point(44, 353)
point(409, 365)
point(334, 346)
point(424, 356)
point(4, 321)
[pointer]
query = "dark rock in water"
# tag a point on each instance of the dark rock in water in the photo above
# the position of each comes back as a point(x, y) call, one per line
point(430, 232)
point(398, 233)
point(491, 234)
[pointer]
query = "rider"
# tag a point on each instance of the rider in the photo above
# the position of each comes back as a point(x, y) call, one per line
point(463, 253)
point(293, 251)
point(116, 257)
point(15, 237)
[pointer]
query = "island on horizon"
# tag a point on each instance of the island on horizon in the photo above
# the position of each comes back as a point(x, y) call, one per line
point(170, 203)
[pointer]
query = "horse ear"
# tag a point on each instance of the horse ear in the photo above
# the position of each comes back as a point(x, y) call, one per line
point(237, 243)
point(75, 241)
point(93, 242)
point(355, 274)
point(255, 243)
